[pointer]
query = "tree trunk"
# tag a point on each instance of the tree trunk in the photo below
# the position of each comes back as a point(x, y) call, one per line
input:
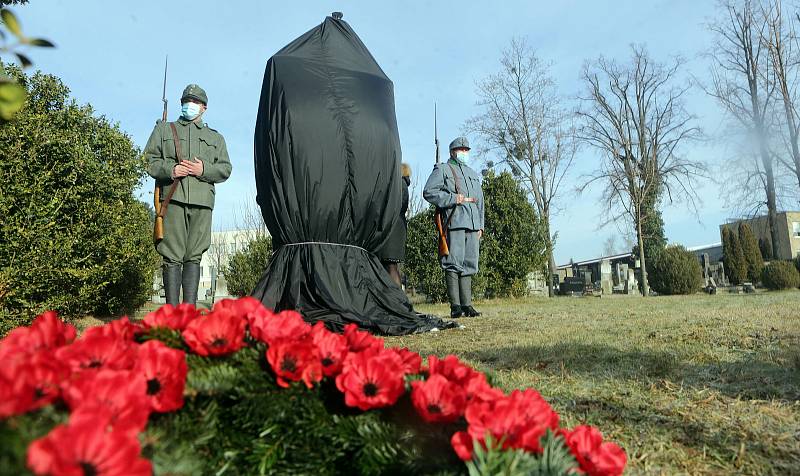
point(551, 262)
point(772, 211)
point(643, 266)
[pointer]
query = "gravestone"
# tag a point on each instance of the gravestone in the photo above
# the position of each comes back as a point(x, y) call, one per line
point(630, 284)
point(606, 279)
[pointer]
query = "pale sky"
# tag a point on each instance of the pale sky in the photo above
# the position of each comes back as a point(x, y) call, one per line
point(111, 54)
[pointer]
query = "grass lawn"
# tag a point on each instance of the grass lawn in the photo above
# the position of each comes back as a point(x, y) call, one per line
point(687, 385)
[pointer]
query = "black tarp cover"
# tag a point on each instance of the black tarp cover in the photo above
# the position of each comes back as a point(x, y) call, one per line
point(327, 157)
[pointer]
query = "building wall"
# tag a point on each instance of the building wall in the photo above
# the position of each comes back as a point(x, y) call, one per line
point(793, 227)
point(788, 224)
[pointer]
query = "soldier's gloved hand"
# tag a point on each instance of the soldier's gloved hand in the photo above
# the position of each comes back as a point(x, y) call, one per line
point(480, 234)
point(195, 167)
point(179, 171)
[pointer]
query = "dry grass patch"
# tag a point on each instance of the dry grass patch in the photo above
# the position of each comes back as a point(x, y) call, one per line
point(687, 385)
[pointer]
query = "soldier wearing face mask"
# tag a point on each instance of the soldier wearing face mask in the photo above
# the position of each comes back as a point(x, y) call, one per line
point(203, 162)
point(456, 189)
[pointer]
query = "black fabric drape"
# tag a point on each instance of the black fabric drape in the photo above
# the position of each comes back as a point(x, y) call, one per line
point(327, 157)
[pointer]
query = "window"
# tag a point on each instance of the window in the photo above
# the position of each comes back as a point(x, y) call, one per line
point(796, 229)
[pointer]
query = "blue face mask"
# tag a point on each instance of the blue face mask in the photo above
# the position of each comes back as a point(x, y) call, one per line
point(190, 110)
point(462, 156)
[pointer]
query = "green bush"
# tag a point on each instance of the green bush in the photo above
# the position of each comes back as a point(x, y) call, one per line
point(421, 266)
point(75, 238)
point(780, 275)
point(514, 244)
point(676, 271)
point(246, 267)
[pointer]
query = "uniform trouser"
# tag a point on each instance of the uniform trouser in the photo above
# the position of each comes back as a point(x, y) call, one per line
point(187, 234)
point(464, 252)
point(461, 264)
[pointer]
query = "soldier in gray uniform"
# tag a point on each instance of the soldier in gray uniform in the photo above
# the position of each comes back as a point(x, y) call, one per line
point(456, 189)
point(187, 222)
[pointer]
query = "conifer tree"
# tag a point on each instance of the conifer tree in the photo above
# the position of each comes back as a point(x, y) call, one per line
point(735, 265)
point(752, 255)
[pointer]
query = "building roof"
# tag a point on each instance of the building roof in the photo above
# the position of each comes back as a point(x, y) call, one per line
point(596, 260)
point(704, 247)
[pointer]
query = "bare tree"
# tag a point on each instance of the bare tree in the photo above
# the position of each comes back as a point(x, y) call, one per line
point(781, 41)
point(610, 245)
point(416, 204)
point(634, 115)
point(743, 84)
point(248, 219)
point(524, 126)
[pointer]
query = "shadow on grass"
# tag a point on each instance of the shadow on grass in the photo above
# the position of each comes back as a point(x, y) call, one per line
point(722, 442)
point(748, 378)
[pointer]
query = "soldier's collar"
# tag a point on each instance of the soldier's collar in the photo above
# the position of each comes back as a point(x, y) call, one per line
point(184, 122)
point(454, 161)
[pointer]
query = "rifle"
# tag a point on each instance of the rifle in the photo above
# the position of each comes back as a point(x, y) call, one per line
point(444, 250)
point(158, 226)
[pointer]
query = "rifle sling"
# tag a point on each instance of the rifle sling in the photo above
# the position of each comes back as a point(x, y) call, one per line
point(175, 183)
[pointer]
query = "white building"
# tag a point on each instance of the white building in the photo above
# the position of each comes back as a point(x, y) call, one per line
point(223, 245)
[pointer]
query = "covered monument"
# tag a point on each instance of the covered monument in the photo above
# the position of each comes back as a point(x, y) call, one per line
point(327, 158)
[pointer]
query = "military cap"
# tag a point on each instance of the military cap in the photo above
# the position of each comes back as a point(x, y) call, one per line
point(460, 143)
point(194, 91)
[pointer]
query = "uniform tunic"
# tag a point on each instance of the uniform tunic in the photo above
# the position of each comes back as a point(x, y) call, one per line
point(462, 221)
point(187, 224)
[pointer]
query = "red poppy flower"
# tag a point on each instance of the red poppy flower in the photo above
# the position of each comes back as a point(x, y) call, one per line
point(295, 361)
point(463, 445)
point(98, 351)
point(218, 333)
point(121, 329)
point(332, 348)
point(478, 389)
point(595, 457)
point(164, 369)
point(438, 399)
point(451, 368)
point(519, 419)
point(371, 379)
point(31, 384)
point(15, 396)
point(242, 307)
point(361, 340)
point(122, 392)
point(172, 317)
point(86, 446)
point(46, 332)
point(412, 361)
point(269, 327)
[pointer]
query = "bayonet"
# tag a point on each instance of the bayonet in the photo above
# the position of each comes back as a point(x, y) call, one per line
point(164, 91)
point(435, 132)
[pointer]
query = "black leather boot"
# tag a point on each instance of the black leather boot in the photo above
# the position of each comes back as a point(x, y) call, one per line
point(171, 274)
point(470, 311)
point(451, 279)
point(465, 295)
point(191, 280)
